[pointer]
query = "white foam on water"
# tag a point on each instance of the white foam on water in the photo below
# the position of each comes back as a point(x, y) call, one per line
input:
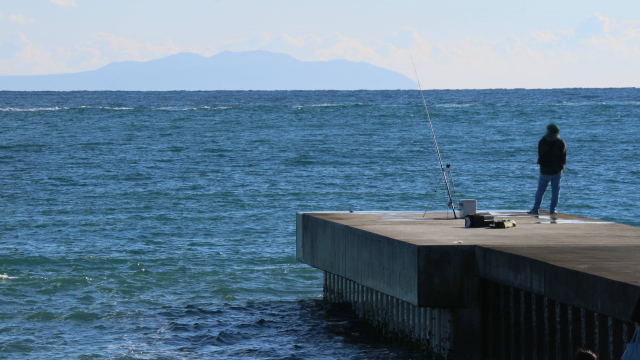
point(454, 105)
point(115, 108)
point(326, 105)
point(175, 108)
point(5, 276)
point(57, 108)
point(35, 109)
point(592, 103)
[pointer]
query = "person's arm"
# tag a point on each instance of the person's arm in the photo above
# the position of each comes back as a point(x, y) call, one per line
point(539, 151)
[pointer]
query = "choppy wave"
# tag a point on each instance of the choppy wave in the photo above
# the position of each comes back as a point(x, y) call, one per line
point(115, 108)
point(190, 108)
point(326, 105)
point(55, 108)
point(5, 276)
point(595, 103)
point(64, 108)
point(455, 105)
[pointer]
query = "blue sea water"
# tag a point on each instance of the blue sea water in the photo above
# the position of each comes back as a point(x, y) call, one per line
point(162, 225)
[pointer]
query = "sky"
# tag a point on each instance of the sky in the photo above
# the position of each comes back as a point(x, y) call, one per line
point(454, 44)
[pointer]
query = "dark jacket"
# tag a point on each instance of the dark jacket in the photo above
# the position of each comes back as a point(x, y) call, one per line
point(552, 155)
point(635, 315)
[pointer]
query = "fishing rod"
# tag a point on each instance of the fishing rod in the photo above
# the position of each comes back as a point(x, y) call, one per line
point(435, 142)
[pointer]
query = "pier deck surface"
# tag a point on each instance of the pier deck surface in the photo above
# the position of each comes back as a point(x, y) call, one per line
point(601, 248)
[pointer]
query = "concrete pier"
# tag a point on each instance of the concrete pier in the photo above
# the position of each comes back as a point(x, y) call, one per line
point(536, 291)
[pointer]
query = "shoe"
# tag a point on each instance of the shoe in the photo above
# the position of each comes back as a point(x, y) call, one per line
point(553, 212)
point(532, 212)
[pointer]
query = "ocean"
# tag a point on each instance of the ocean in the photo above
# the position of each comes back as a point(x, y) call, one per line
point(161, 225)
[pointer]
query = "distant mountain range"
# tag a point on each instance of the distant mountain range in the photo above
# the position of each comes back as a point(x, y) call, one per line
point(250, 70)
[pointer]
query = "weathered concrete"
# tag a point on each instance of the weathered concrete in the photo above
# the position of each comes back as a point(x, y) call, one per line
point(393, 318)
point(435, 262)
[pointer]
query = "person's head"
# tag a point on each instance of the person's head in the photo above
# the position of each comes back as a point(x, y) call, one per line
point(553, 129)
point(584, 354)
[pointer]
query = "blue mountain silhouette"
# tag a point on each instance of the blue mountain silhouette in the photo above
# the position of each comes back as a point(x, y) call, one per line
point(249, 70)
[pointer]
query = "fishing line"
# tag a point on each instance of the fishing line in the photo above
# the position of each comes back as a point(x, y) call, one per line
point(435, 142)
point(566, 179)
point(433, 197)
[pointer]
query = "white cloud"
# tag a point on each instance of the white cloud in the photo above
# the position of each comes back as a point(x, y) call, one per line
point(339, 46)
point(64, 2)
point(17, 43)
point(1, 15)
point(544, 36)
point(598, 52)
point(618, 39)
point(20, 19)
point(21, 57)
point(253, 42)
point(562, 58)
point(299, 42)
point(607, 23)
point(116, 48)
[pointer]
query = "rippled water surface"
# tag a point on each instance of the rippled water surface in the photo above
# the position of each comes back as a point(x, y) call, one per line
point(162, 225)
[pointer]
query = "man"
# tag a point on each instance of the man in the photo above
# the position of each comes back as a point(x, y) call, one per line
point(552, 156)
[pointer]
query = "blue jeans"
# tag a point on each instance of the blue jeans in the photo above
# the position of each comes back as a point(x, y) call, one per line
point(543, 182)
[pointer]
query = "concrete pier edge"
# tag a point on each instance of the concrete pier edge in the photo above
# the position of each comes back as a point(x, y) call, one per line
point(535, 288)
